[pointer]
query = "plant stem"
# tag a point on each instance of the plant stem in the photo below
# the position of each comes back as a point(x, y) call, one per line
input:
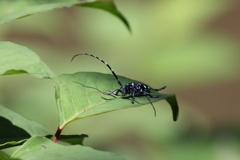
point(57, 134)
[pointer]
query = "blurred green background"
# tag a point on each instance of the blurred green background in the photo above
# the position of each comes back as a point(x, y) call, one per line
point(192, 47)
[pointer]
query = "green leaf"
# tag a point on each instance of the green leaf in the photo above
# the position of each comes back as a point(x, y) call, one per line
point(78, 96)
point(107, 6)
point(3, 156)
point(15, 129)
point(71, 139)
point(17, 59)
point(172, 100)
point(39, 148)
point(12, 9)
point(11, 135)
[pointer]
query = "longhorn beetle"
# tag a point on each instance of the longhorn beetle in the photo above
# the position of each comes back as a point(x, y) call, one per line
point(130, 90)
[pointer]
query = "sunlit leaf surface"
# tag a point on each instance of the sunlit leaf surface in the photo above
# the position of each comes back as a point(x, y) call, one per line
point(17, 59)
point(11, 10)
point(39, 148)
point(79, 95)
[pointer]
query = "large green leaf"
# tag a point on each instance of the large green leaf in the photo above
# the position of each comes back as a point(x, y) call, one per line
point(78, 95)
point(3, 156)
point(15, 129)
point(12, 9)
point(39, 148)
point(17, 59)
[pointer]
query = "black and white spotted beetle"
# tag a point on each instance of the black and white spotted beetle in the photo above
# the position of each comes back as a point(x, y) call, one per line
point(130, 90)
